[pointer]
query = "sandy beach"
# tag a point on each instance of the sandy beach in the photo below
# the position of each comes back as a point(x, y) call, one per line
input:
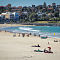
point(9, 25)
point(20, 48)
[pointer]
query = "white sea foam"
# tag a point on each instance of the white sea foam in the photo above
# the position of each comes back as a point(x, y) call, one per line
point(47, 26)
point(28, 29)
point(35, 30)
point(25, 28)
point(16, 31)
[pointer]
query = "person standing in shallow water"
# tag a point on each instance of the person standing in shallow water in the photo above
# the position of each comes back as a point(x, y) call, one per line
point(27, 35)
point(23, 34)
point(30, 34)
point(19, 35)
point(39, 35)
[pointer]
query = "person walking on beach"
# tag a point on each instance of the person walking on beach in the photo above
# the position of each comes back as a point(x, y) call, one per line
point(27, 35)
point(39, 35)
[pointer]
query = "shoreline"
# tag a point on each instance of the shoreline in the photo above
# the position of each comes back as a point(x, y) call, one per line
point(15, 25)
point(29, 34)
point(12, 25)
point(42, 24)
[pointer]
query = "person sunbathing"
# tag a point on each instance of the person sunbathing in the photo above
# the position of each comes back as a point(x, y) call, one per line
point(38, 50)
point(55, 40)
point(46, 51)
point(36, 45)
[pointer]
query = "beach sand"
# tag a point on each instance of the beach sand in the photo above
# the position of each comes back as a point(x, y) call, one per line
point(9, 25)
point(19, 48)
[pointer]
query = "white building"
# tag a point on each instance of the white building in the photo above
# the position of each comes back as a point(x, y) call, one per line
point(11, 16)
point(8, 15)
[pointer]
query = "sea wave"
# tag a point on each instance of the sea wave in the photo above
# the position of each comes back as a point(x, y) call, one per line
point(25, 28)
point(28, 29)
point(35, 30)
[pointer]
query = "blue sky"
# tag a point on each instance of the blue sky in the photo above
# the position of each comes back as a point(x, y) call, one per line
point(27, 2)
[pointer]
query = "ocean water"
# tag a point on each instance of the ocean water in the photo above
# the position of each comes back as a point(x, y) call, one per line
point(42, 30)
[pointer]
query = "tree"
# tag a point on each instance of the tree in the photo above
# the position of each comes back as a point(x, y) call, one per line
point(32, 17)
point(56, 14)
point(9, 9)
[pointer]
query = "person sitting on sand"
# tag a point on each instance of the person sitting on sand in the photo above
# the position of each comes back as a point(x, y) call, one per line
point(48, 43)
point(38, 45)
point(45, 50)
point(48, 51)
point(55, 40)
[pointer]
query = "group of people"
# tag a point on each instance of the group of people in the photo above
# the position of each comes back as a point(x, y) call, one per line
point(23, 35)
point(48, 51)
point(45, 50)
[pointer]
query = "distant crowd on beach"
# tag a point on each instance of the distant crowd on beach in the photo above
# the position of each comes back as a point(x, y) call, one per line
point(24, 34)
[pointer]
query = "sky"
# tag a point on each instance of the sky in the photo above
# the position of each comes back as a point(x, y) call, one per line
point(27, 2)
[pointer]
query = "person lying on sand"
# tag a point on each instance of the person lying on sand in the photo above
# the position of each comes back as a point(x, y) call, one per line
point(38, 50)
point(36, 45)
point(55, 40)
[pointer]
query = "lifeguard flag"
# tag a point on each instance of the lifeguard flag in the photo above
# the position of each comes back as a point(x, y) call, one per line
point(54, 33)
